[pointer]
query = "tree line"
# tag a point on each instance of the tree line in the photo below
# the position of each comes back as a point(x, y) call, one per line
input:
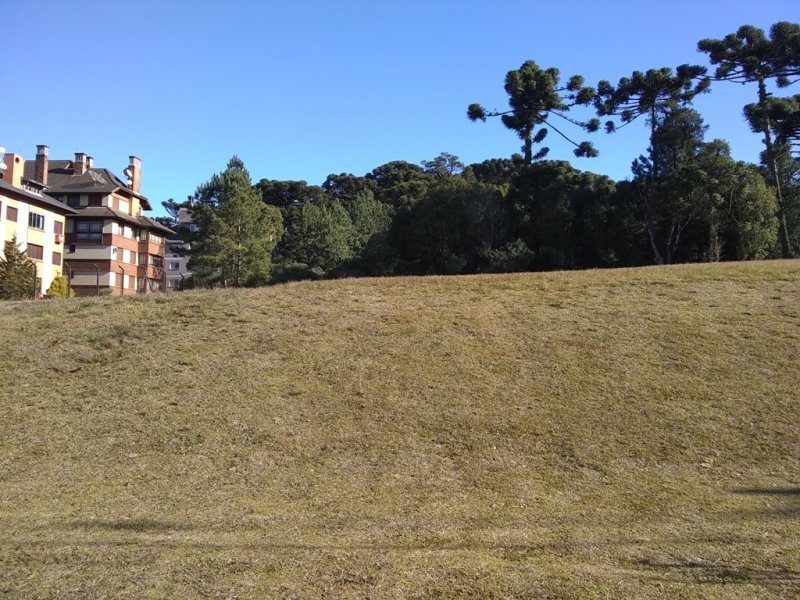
point(687, 199)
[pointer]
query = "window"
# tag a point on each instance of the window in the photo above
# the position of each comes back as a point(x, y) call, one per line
point(11, 214)
point(74, 200)
point(89, 231)
point(156, 261)
point(156, 239)
point(59, 227)
point(35, 252)
point(35, 220)
point(57, 258)
point(174, 266)
point(174, 283)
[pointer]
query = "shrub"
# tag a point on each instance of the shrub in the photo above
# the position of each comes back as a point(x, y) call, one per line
point(59, 288)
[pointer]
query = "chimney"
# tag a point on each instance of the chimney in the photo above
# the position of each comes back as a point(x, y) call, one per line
point(135, 167)
point(40, 173)
point(79, 166)
point(89, 162)
point(15, 165)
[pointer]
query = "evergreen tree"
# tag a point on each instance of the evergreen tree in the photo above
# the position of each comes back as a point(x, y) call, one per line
point(556, 214)
point(369, 217)
point(400, 184)
point(444, 166)
point(667, 179)
point(345, 186)
point(319, 239)
point(534, 95)
point(651, 94)
point(750, 56)
point(237, 231)
point(453, 230)
point(16, 273)
point(656, 95)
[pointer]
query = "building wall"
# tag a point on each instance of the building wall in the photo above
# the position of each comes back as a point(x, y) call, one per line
point(50, 265)
point(176, 264)
point(125, 260)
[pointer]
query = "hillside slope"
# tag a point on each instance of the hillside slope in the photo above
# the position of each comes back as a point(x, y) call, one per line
point(630, 433)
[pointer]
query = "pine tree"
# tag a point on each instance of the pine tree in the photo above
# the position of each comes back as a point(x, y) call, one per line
point(16, 273)
point(237, 230)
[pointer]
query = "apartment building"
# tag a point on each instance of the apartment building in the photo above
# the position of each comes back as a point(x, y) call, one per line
point(178, 249)
point(35, 220)
point(110, 247)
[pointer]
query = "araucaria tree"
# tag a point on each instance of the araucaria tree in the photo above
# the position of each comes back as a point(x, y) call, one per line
point(650, 94)
point(16, 273)
point(661, 97)
point(535, 97)
point(749, 56)
point(237, 230)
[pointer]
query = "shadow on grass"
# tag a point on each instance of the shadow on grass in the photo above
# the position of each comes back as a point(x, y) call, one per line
point(164, 534)
point(702, 572)
point(767, 491)
point(791, 507)
point(137, 525)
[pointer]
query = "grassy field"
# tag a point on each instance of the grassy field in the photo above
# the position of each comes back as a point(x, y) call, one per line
point(606, 434)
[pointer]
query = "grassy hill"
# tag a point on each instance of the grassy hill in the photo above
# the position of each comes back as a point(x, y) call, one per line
point(630, 433)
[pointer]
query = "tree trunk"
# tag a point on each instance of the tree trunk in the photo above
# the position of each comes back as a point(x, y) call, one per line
point(527, 147)
point(672, 242)
point(713, 242)
point(772, 161)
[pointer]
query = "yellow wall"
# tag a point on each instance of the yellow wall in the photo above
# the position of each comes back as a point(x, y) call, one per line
point(25, 235)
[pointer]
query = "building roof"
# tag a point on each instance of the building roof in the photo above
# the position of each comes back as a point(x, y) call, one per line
point(104, 212)
point(153, 224)
point(61, 179)
point(40, 199)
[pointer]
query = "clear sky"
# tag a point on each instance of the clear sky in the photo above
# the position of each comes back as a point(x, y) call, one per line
point(303, 88)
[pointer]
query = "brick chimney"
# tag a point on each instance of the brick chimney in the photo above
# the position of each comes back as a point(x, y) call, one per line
point(135, 167)
point(79, 166)
point(40, 172)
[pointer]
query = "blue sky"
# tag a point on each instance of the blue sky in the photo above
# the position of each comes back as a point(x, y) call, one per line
point(300, 89)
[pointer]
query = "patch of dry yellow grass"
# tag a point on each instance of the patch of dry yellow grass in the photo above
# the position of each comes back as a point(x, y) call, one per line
point(628, 433)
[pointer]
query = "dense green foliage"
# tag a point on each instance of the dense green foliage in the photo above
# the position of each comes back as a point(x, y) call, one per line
point(17, 273)
point(237, 231)
point(696, 204)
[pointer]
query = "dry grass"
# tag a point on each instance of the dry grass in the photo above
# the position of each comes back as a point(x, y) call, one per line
point(606, 434)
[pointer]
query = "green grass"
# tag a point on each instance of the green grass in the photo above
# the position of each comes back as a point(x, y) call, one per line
point(605, 434)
